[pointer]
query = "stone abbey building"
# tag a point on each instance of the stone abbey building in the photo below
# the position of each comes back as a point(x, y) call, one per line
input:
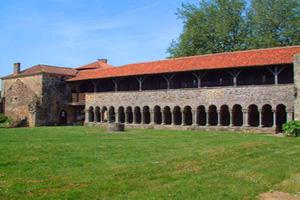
point(255, 90)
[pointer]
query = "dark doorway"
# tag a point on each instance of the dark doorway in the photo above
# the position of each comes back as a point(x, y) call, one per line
point(63, 118)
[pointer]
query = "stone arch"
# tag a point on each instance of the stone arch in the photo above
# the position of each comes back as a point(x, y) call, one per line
point(253, 116)
point(121, 112)
point(267, 116)
point(188, 115)
point(104, 114)
point(146, 114)
point(167, 115)
point(212, 115)
point(111, 115)
point(137, 115)
point(98, 114)
point(224, 115)
point(177, 116)
point(129, 115)
point(281, 116)
point(157, 115)
point(201, 116)
point(237, 115)
point(91, 114)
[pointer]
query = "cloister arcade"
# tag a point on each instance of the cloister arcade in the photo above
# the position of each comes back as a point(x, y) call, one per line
point(206, 116)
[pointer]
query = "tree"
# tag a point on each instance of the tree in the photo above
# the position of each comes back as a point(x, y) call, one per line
point(216, 26)
point(273, 23)
point(213, 26)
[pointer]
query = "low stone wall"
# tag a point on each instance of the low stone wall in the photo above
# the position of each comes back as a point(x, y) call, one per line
point(195, 128)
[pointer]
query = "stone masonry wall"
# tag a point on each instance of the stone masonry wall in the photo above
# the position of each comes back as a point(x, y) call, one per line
point(245, 96)
point(297, 85)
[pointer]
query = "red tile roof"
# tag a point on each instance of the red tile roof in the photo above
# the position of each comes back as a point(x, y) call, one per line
point(95, 65)
point(238, 59)
point(37, 69)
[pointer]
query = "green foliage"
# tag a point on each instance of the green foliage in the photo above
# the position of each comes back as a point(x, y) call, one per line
point(292, 129)
point(84, 163)
point(229, 25)
point(3, 118)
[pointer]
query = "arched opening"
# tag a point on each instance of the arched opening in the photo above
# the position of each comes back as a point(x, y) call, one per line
point(167, 115)
point(281, 116)
point(188, 116)
point(201, 116)
point(112, 115)
point(157, 115)
point(237, 118)
point(212, 115)
point(253, 116)
point(121, 115)
point(146, 113)
point(98, 114)
point(177, 117)
point(129, 115)
point(91, 114)
point(138, 115)
point(267, 116)
point(104, 114)
point(63, 118)
point(225, 116)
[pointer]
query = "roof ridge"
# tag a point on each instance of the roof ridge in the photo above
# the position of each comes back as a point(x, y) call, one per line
point(43, 65)
point(211, 54)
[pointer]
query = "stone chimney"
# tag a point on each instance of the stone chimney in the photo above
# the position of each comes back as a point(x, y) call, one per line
point(104, 60)
point(17, 68)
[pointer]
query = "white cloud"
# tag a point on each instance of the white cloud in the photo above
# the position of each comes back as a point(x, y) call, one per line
point(144, 8)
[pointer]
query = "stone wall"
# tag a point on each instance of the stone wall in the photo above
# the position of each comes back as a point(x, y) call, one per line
point(244, 96)
point(297, 85)
point(38, 98)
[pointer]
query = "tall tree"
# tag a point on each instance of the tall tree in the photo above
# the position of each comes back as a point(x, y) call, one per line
point(215, 26)
point(273, 23)
point(210, 27)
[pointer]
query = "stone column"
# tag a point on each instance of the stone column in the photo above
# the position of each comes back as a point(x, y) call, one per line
point(195, 115)
point(95, 116)
point(86, 116)
point(260, 118)
point(117, 117)
point(231, 117)
point(183, 119)
point(172, 118)
point(274, 119)
point(219, 117)
point(297, 86)
point(142, 117)
point(134, 117)
point(163, 118)
point(245, 118)
point(152, 116)
point(207, 117)
point(126, 117)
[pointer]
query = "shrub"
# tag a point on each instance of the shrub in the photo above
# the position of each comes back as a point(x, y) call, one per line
point(292, 128)
point(3, 118)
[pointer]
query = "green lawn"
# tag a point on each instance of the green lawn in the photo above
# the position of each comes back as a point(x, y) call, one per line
point(87, 163)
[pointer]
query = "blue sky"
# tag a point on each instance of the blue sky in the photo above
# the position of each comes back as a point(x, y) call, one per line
point(75, 32)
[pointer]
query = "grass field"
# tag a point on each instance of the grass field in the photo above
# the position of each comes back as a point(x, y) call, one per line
point(87, 163)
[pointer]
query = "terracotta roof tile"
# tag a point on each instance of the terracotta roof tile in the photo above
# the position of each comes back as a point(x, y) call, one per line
point(44, 69)
point(95, 65)
point(250, 58)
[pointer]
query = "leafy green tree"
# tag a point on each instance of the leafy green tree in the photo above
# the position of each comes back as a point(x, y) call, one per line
point(273, 23)
point(210, 27)
point(214, 26)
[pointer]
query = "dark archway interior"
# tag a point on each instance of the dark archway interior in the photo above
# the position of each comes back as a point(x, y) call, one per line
point(177, 116)
point(138, 115)
point(267, 116)
point(112, 115)
point(281, 117)
point(253, 116)
point(201, 116)
point(91, 114)
point(98, 114)
point(168, 116)
point(225, 116)
point(188, 115)
point(213, 115)
point(129, 115)
point(237, 115)
point(157, 115)
point(121, 115)
point(146, 113)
